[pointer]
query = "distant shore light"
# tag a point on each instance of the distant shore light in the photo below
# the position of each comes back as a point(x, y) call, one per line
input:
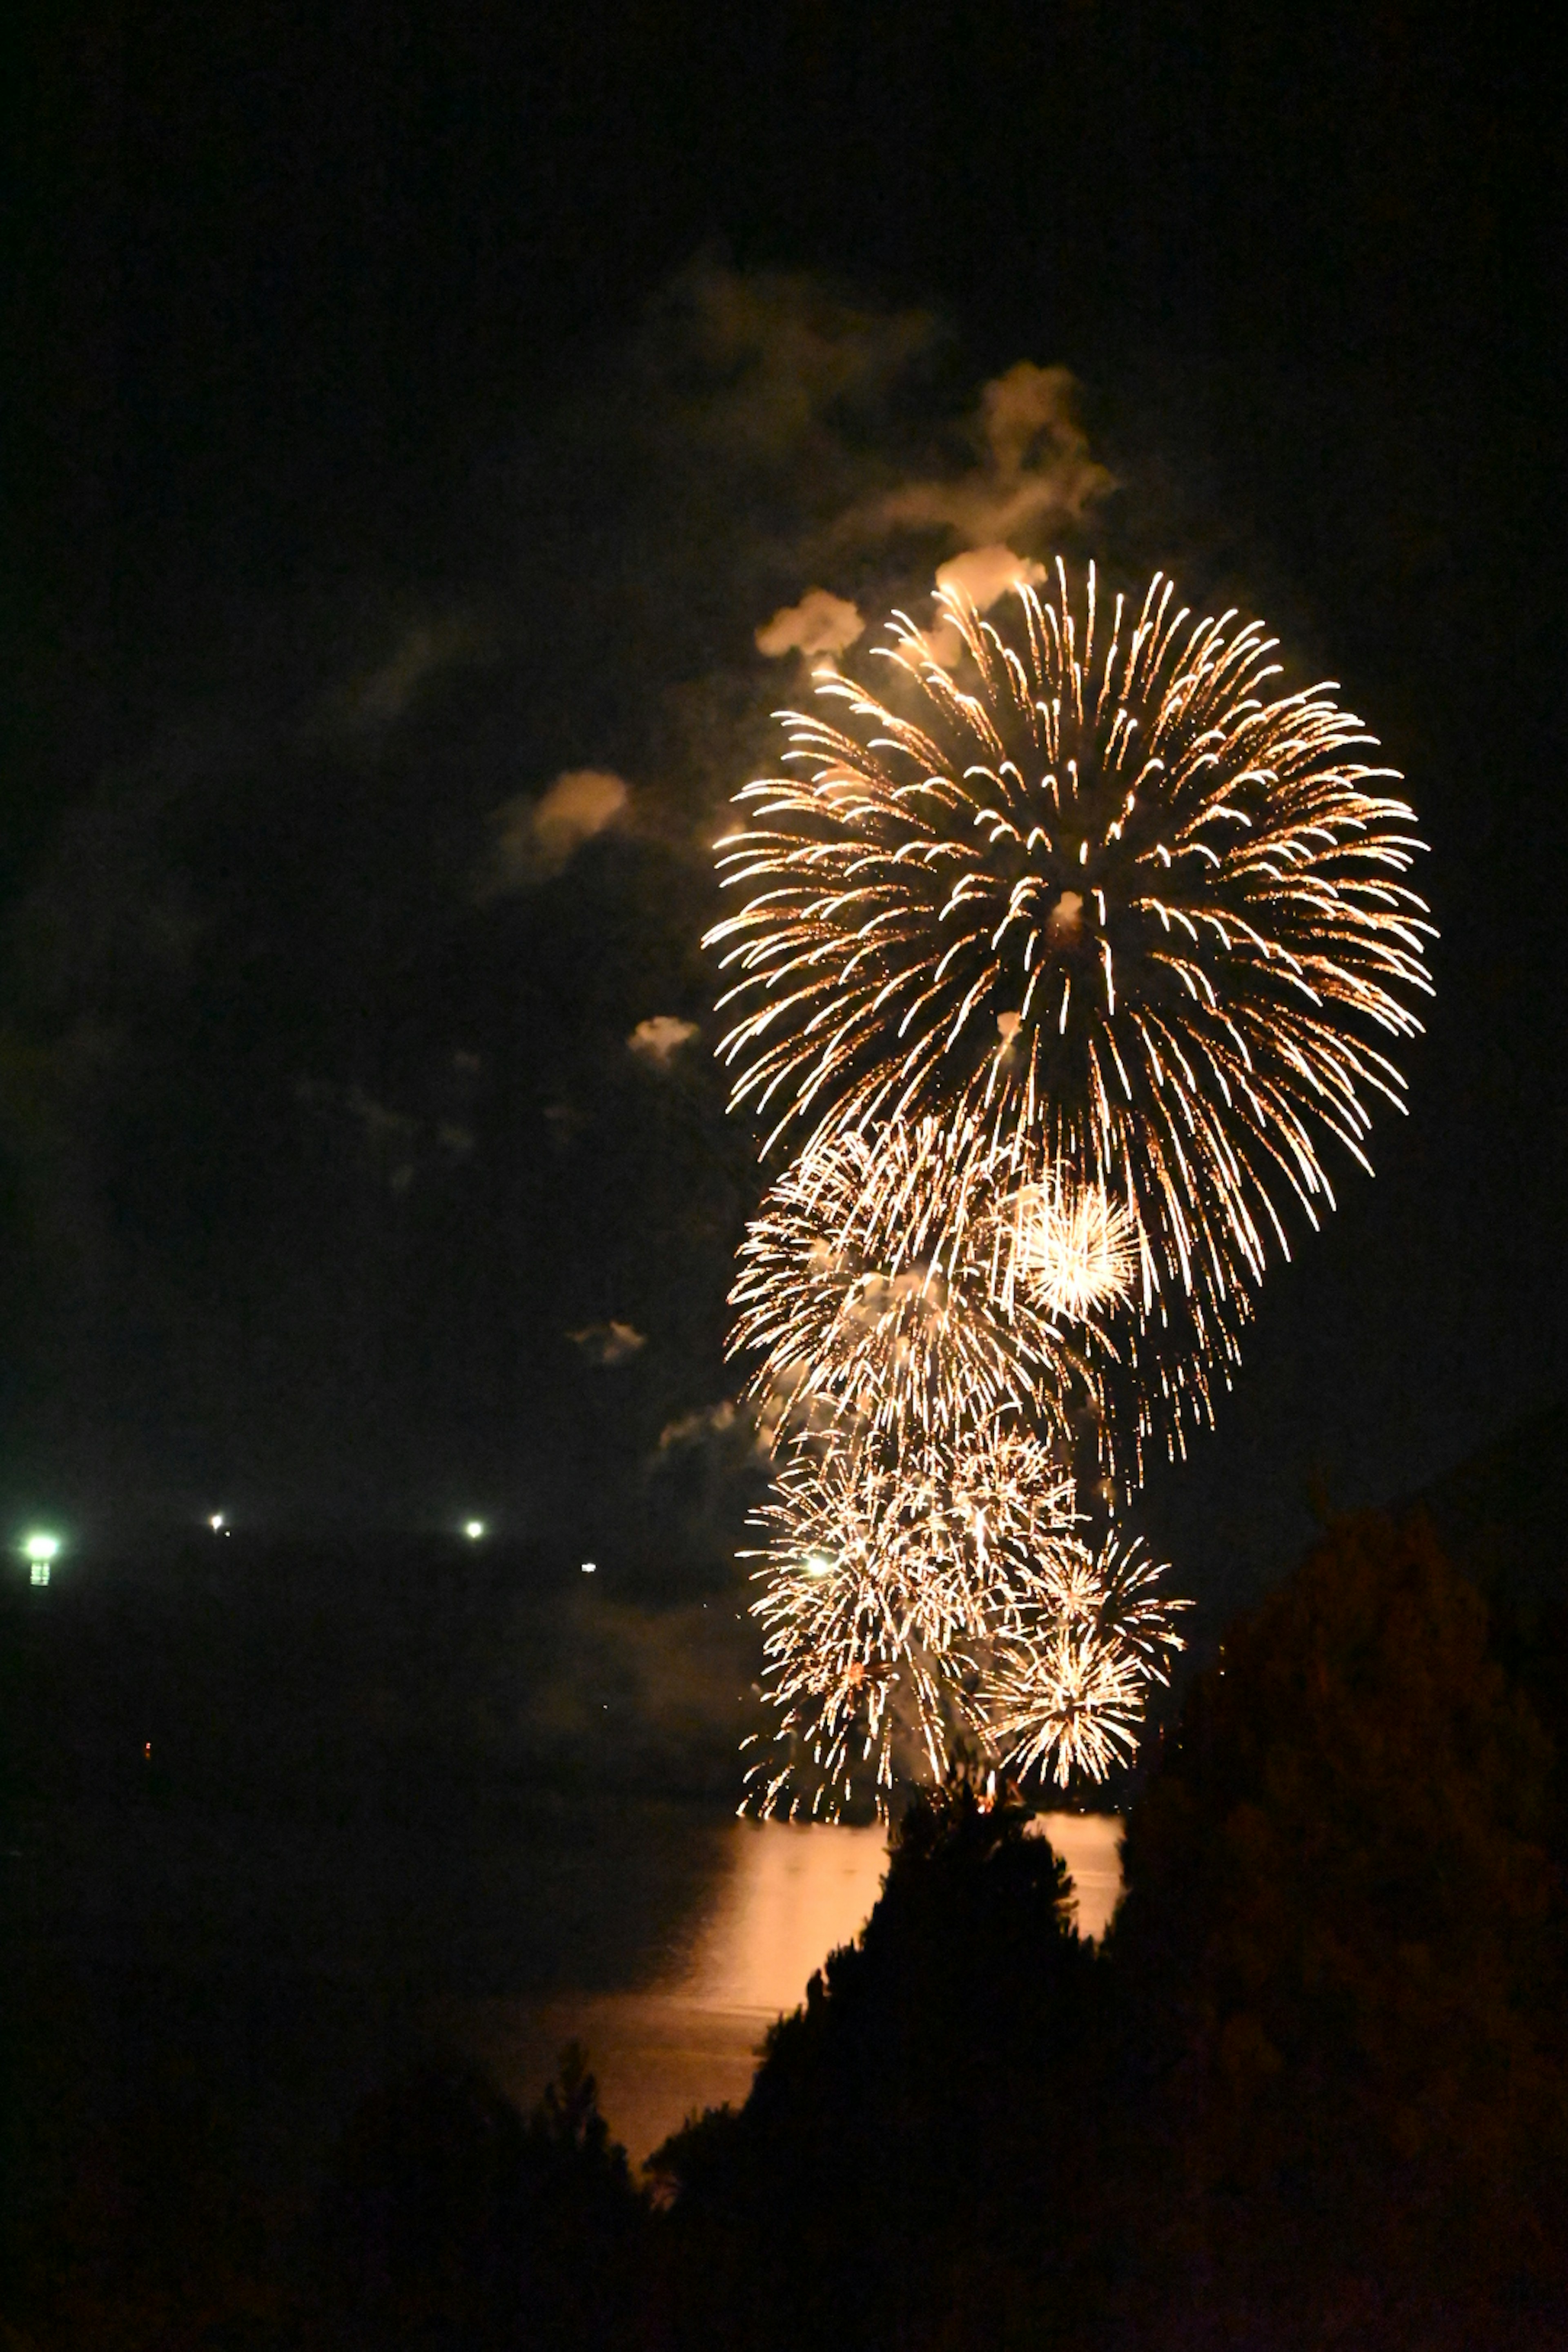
point(473, 1530)
point(41, 1549)
point(217, 1523)
point(589, 1566)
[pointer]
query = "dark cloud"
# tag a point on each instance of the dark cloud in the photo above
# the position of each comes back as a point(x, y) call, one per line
point(329, 1084)
point(383, 695)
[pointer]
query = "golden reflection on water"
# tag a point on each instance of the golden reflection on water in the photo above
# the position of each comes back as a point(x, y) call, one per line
point(790, 1894)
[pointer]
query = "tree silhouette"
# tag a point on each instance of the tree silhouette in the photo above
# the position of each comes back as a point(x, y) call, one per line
point(452, 2223)
point(1314, 2090)
point(926, 2089)
point(1337, 1969)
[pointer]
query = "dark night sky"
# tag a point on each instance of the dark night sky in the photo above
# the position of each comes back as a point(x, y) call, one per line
point(418, 402)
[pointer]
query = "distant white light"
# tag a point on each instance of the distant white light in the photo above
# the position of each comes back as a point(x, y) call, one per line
point(38, 1549)
point(473, 1530)
point(589, 1566)
point(217, 1523)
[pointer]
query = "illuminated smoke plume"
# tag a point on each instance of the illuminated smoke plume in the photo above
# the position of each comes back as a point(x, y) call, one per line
point(657, 1040)
point(535, 839)
point(819, 623)
point(607, 1344)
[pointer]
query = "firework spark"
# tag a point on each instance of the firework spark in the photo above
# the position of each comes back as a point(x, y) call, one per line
point(1066, 1683)
point(1066, 1701)
point(1097, 896)
point(1061, 964)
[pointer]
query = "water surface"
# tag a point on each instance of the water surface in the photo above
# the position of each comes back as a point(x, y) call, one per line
point(783, 1896)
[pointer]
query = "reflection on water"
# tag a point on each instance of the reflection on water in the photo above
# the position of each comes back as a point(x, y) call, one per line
point(792, 1892)
point(786, 1894)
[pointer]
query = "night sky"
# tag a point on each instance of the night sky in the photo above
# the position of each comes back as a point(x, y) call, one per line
point(417, 405)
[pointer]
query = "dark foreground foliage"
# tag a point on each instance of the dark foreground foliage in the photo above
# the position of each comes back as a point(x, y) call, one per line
point(453, 2224)
point(919, 2112)
point(1337, 1969)
point(1312, 2091)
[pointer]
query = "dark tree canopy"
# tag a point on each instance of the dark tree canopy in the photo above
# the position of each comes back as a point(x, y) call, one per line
point(927, 2084)
point(1337, 1956)
point(454, 2225)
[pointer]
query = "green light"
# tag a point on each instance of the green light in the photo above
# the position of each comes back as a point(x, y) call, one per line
point(38, 1549)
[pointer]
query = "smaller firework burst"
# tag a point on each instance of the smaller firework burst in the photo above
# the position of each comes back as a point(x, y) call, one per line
point(1065, 1687)
point(874, 1290)
point(1066, 1700)
point(887, 1568)
point(1074, 1250)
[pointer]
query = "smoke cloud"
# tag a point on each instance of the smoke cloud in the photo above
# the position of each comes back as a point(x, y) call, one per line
point(607, 1344)
point(1033, 471)
point(381, 696)
point(537, 839)
point(697, 1428)
point(657, 1040)
point(984, 574)
point(820, 624)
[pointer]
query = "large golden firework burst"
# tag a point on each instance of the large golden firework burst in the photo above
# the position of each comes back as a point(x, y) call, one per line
point(1096, 893)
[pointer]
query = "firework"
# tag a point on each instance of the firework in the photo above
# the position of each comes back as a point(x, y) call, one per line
point(907, 1602)
point(1072, 1248)
point(1061, 963)
point(887, 1564)
point(1066, 1701)
point(1096, 897)
point(1066, 1683)
point(879, 1286)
